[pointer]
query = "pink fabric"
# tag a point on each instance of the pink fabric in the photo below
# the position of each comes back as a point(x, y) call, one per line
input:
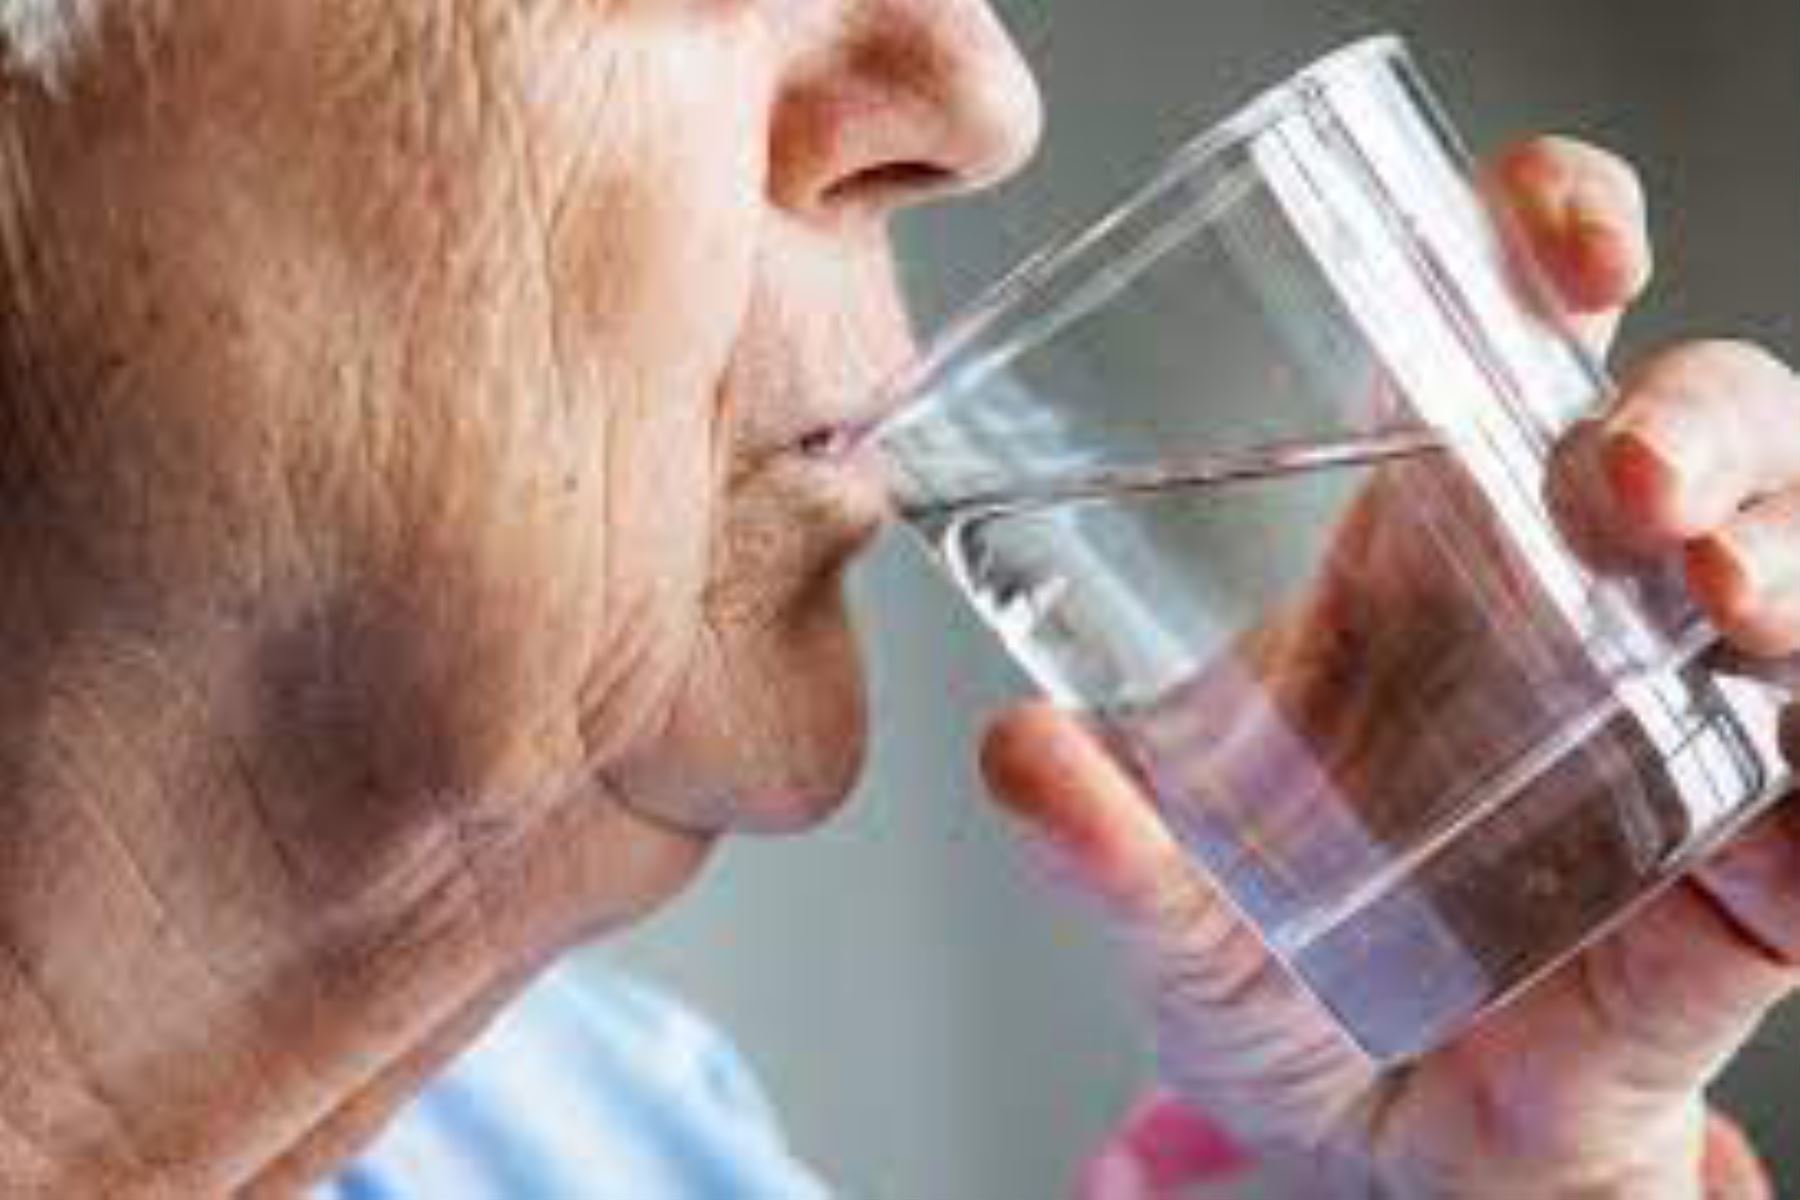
point(1162, 1146)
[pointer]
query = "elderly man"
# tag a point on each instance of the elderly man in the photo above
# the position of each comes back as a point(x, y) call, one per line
point(419, 469)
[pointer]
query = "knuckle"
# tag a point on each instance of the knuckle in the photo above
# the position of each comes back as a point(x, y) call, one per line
point(1741, 363)
point(1722, 363)
point(1708, 369)
point(1689, 369)
point(1196, 946)
point(1218, 969)
point(1182, 911)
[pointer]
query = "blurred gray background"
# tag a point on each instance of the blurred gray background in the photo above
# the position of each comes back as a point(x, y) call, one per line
point(931, 1025)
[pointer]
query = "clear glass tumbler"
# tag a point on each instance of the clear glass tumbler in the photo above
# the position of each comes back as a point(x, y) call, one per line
point(1253, 470)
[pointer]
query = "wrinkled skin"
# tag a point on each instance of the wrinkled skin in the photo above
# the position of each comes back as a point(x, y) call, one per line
point(407, 522)
point(410, 566)
point(1592, 1084)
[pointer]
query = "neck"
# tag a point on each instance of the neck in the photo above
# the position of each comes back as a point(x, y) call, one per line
point(246, 904)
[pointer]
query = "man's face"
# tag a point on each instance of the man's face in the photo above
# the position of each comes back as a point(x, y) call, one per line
point(487, 348)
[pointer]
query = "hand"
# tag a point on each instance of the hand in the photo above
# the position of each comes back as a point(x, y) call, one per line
point(1592, 1082)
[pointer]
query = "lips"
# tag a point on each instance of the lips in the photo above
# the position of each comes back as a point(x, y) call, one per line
point(839, 439)
point(836, 483)
point(816, 437)
point(823, 334)
point(829, 442)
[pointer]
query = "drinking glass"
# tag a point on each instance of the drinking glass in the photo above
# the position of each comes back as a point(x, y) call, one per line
point(1254, 471)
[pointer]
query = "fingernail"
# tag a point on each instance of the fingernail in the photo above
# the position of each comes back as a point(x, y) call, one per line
point(1564, 211)
point(1608, 265)
point(1591, 211)
point(1723, 570)
point(1661, 467)
point(1589, 227)
point(1643, 479)
point(1543, 213)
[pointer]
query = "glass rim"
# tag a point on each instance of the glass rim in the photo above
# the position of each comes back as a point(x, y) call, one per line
point(902, 396)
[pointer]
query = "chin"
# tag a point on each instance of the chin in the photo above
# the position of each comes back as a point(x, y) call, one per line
point(770, 736)
point(811, 743)
point(784, 814)
point(807, 799)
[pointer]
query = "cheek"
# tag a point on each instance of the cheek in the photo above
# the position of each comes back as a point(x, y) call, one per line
point(651, 193)
point(562, 312)
point(651, 213)
point(649, 177)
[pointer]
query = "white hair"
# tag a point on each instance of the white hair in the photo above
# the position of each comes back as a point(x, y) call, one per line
point(38, 38)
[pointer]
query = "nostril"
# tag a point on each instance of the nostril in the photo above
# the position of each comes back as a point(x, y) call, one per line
point(892, 183)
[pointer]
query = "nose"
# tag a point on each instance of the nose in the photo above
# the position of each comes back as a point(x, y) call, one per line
point(898, 102)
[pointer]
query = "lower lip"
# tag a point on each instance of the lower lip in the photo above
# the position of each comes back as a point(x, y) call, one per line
point(845, 480)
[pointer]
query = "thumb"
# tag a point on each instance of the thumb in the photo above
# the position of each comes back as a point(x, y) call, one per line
point(1053, 774)
point(1235, 1032)
point(1049, 771)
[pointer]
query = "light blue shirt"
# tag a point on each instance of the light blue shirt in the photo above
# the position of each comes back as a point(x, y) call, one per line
point(598, 1089)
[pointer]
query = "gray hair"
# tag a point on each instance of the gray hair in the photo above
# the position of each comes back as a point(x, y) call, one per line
point(38, 38)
